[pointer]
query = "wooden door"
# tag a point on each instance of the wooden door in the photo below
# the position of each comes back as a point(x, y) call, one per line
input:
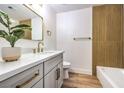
point(107, 36)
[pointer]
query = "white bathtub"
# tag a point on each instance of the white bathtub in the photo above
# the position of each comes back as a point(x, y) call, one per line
point(110, 77)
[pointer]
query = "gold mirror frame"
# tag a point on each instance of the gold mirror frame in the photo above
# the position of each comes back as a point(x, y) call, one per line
point(41, 19)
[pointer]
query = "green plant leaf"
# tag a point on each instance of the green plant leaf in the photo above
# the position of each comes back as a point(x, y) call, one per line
point(11, 39)
point(3, 33)
point(2, 22)
point(14, 33)
point(3, 15)
point(21, 26)
point(19, 33)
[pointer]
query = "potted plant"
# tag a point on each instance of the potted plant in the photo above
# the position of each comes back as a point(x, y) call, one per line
point(11, 34)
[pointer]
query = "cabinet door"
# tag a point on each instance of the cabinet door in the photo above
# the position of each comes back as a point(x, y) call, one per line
point(50, 79)
point(39, 84)
point(50, 64)
point(60, 79)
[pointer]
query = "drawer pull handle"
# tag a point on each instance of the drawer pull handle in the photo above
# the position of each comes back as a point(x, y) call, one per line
point(58, 73)
point(28, 81)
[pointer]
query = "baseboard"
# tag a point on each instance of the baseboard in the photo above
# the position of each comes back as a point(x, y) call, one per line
point(81, 71)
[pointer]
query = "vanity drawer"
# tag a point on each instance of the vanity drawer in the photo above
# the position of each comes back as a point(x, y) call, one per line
point(27, 78)
point(50, 64)
point(39, 84)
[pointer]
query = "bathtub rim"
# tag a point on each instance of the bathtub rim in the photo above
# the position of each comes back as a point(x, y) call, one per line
point(101, 69)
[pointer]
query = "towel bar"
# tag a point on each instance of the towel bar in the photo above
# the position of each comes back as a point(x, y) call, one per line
point(81, 38)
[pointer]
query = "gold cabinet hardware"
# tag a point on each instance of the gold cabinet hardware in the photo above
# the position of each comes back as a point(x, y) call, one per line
point(28, 81)
point(58, 73)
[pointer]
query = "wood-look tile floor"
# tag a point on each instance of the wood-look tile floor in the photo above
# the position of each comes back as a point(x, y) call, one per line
point(81, 81)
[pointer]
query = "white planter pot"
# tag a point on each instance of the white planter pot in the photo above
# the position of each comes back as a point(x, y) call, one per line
point(11, 53)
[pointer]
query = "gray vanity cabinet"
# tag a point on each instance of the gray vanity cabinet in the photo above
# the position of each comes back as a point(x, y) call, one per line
point(25, 79)
point(39, 84)
point(48, 74)
point(54, 76)
point(50, 79)
point(60, 79)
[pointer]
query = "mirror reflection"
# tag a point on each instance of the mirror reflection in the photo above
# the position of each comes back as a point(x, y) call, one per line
point(22, 14)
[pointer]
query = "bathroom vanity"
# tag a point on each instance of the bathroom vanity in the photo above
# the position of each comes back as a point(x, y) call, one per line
point(42, 70)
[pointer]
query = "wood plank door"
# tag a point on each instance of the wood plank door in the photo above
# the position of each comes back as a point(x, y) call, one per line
point(107, 36)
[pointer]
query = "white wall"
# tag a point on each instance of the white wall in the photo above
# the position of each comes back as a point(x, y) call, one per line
point(76, 24)
point(49, 17)
point(49, 24)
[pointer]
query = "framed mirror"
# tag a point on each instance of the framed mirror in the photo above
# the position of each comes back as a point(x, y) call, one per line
point(25, 14)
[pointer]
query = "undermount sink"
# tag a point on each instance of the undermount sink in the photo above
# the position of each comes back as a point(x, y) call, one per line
point(47, 52)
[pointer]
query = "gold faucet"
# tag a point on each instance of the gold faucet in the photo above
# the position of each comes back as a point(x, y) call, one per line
point(40, 47)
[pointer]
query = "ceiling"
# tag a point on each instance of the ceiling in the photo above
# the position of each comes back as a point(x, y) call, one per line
point(17, 11)
point(20, 12)
point(69, 7)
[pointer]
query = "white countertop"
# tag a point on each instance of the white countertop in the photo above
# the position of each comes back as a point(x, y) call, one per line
point(8, 69)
